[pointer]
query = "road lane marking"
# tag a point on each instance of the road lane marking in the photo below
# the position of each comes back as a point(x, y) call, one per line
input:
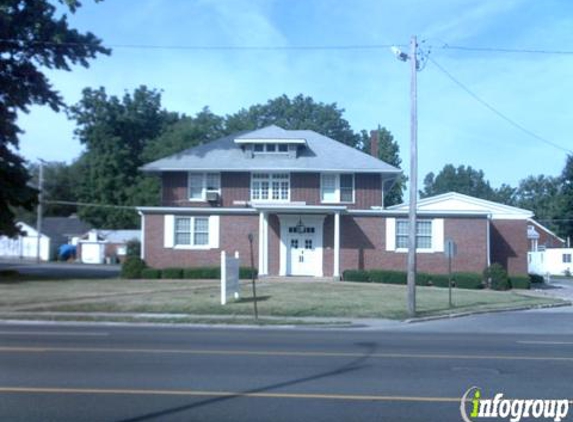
point(544, 342)
point(201, 393)
point(272, 353)
point(54, 333)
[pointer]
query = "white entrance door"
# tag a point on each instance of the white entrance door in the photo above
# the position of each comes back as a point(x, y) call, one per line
point(302, 251)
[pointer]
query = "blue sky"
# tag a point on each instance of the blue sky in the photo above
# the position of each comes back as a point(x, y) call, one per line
point(535, 90)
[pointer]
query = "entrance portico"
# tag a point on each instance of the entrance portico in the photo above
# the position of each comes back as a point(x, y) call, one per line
point(301, 239)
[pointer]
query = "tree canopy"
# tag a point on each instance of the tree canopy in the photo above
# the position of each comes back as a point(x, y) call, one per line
point(389, 152)
point(32, 37)
point(297, 113)
point(459, 179)
point(115, 132)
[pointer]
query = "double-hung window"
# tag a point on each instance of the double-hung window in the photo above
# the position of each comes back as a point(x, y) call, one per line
point(337, 187)
point(201, 183)
point(423, 234)
point(567, 258)
point(270, 187)
point(191, 231)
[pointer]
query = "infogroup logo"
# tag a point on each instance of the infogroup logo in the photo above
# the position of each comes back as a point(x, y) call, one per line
point(473, 406)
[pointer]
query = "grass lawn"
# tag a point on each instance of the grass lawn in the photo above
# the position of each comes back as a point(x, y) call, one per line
point(278, 299)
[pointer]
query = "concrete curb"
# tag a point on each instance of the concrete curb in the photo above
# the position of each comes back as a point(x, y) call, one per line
point(486, 311)
point(302, 323)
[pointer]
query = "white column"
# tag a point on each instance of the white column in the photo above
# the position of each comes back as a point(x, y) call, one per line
point(263, 243)
point(265, 266)
point(336, 271)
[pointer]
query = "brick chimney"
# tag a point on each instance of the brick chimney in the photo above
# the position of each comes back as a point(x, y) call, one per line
point(374, 143)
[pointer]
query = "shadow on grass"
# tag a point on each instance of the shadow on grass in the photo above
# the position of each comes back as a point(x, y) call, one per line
point(251, 299)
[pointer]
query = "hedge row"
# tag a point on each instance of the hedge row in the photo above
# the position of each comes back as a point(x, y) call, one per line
point(135, 268)
point(460, 280)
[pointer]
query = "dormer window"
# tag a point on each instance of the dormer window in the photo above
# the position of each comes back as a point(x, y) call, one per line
point(284, 146)
point(270, 148)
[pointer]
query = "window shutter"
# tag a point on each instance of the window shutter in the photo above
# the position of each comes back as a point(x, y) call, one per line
point(214, 231)
point(168, 231)
point(390, 234)
point(438, 235)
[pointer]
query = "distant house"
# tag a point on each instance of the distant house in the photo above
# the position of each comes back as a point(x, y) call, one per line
point(99, 246)
point(56, 231)
point(314, 207)
point(553, 261)
point(25, 245)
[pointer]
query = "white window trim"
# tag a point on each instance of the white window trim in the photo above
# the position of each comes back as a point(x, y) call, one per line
point(266, 152)
point(204, 189)
point(270, 180)
point(169, 232)
point(337, 188)
point(437, 236)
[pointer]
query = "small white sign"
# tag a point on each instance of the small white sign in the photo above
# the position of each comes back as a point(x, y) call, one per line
point(229, 277)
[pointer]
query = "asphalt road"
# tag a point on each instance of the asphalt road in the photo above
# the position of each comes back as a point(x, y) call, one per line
point(417, 373)
point(60, 269)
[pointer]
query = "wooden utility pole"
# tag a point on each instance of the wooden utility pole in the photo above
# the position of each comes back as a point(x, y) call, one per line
point(413, 178)
point(40, 211)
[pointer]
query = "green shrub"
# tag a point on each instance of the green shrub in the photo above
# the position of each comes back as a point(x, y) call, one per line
point(150, 273)
point(437, 280)
point(245, 273)
point(536, 278)
point(132, 267)
point(468, 280)
point(133, 248)
point(497, 277)
point(172, 273)
point(520, 282)
point(388, 276)
point(356, 275)
point(197, 273)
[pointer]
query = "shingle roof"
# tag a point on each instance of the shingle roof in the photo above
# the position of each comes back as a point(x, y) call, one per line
point(320, 154)
point(60, 228)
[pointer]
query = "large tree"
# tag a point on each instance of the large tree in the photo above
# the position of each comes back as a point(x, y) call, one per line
point(540, 194)
point(389, 152)
point(297, 113)
point(185, 133)
point(32, 38)
point(115, 132)
point(459, 179)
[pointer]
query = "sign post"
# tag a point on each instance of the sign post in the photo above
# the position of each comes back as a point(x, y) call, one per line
point(450, 250)
point(250, 237)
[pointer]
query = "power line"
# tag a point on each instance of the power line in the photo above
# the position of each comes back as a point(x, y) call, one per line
point(211, 47)
point(88, 204)
point(496, 111)
point(506, 50)
point(445, 46)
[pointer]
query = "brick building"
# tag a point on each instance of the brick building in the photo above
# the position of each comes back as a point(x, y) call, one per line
point(314, 207)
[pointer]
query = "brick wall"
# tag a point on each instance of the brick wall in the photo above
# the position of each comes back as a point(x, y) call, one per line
point(235, 186)
point(233, 237)
point(368, 191)
point(363, 246)
point(509, 245)
point(305, 187)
